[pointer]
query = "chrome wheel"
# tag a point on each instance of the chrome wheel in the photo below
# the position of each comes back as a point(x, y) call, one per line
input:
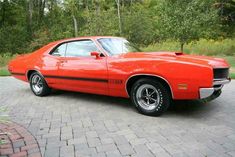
point(148, 97)
point(37, 84)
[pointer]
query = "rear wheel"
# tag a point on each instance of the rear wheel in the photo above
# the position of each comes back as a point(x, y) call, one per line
point(38, 85)
point(150, 97)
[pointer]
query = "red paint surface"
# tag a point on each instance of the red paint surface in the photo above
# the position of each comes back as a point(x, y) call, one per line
point(175, 68)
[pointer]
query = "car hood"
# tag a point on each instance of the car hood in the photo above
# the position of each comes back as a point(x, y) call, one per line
point(178, 57)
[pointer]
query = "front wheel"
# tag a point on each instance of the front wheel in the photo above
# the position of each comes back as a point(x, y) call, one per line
point(38, 85)
point(150, 97)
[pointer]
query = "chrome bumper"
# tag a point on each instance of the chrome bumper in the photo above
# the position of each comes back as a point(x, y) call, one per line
point(221, 81)
point(217, 85)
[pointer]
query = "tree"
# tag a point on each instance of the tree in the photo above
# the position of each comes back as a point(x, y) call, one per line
point(186, 20)
point(119, 16)
point(227, 16)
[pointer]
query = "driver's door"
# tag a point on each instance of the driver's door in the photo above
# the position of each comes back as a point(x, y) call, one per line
point(79, 71)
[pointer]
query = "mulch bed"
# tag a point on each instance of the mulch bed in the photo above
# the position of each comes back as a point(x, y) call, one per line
point(18, 142)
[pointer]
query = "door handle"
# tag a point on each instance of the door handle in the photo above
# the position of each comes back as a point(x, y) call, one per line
point(63, 61)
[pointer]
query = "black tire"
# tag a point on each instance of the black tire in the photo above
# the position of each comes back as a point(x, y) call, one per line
point(45, 90)
point(161, 91)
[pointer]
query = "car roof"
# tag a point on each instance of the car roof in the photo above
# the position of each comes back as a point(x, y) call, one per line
point(85, 37)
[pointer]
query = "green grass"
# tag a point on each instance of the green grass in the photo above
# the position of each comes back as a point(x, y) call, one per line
point(232, 75)
point(231, 61)
point(4, 72)
point(224, 47)
point(4, 59)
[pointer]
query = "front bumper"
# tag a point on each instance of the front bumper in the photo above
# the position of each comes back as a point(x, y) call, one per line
point(217, 85)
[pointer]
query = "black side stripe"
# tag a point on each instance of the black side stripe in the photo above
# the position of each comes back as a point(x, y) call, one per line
point(77, 78)
point(22, 74)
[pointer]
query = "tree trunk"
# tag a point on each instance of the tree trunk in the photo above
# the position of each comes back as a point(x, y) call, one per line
point(42, 4)
point(97, 18)
point(3, 12)
point(182, 47)
point(119, 16)
point(29, 8)
point(75, 26)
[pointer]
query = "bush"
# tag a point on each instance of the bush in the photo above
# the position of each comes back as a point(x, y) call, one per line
point(5, 58)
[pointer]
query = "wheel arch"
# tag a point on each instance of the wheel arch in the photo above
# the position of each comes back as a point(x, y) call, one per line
point(132, 79)
point(30, 72)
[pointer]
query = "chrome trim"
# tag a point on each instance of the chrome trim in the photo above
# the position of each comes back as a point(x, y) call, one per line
point(221, 81)
point(205, 92)
point(149, 75)
point(218, 88)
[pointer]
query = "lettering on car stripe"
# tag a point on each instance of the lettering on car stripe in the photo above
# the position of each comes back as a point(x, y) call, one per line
point(113, 81)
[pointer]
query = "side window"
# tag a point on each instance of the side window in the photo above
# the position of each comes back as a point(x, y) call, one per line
point(81, 48)
point(60, 51)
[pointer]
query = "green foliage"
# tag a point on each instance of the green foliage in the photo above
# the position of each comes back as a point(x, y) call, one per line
point(187, 20)
point(5, 58)
point(26, 25)
point(226, 10)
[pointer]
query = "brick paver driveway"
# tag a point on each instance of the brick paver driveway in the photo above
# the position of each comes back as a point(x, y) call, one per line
point(74, 124)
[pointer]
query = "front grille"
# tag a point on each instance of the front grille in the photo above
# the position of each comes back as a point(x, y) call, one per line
point(221, 73)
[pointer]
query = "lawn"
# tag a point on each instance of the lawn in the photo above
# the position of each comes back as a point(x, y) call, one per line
point(4, 72)
point(231, 60)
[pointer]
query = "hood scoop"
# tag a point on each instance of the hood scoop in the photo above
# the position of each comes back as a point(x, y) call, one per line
point(170, 54)
point(179, 53)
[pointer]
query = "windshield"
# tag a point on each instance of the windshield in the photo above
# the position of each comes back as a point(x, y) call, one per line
point(116, 46)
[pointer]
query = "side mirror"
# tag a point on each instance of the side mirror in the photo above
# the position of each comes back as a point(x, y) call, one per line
point(96, 54)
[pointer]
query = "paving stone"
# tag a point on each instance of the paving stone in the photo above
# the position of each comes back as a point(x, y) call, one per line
point(6, 151)
point(77, 140)
point(91, 134)
point(18, 143)
point(52, 152)
point(35, 155)
point(33, 151)
point(86, 151)
point(42, 150)
point(99, 155)
point(93, 142)
point(19, 154)
point(142, 150)
point(106, 148)
point(56, 144)
point(125, 149)
point(119, 140)
point(114, 153)
point(138, 141)
point(67, 136)
point(100, 125)
point(45, 125)
point(67, 151)
point(42, 142)
point(80, 146)
point(106, 140)
point(232, 153)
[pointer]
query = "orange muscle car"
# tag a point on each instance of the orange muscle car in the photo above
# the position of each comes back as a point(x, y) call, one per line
point(114, 67)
